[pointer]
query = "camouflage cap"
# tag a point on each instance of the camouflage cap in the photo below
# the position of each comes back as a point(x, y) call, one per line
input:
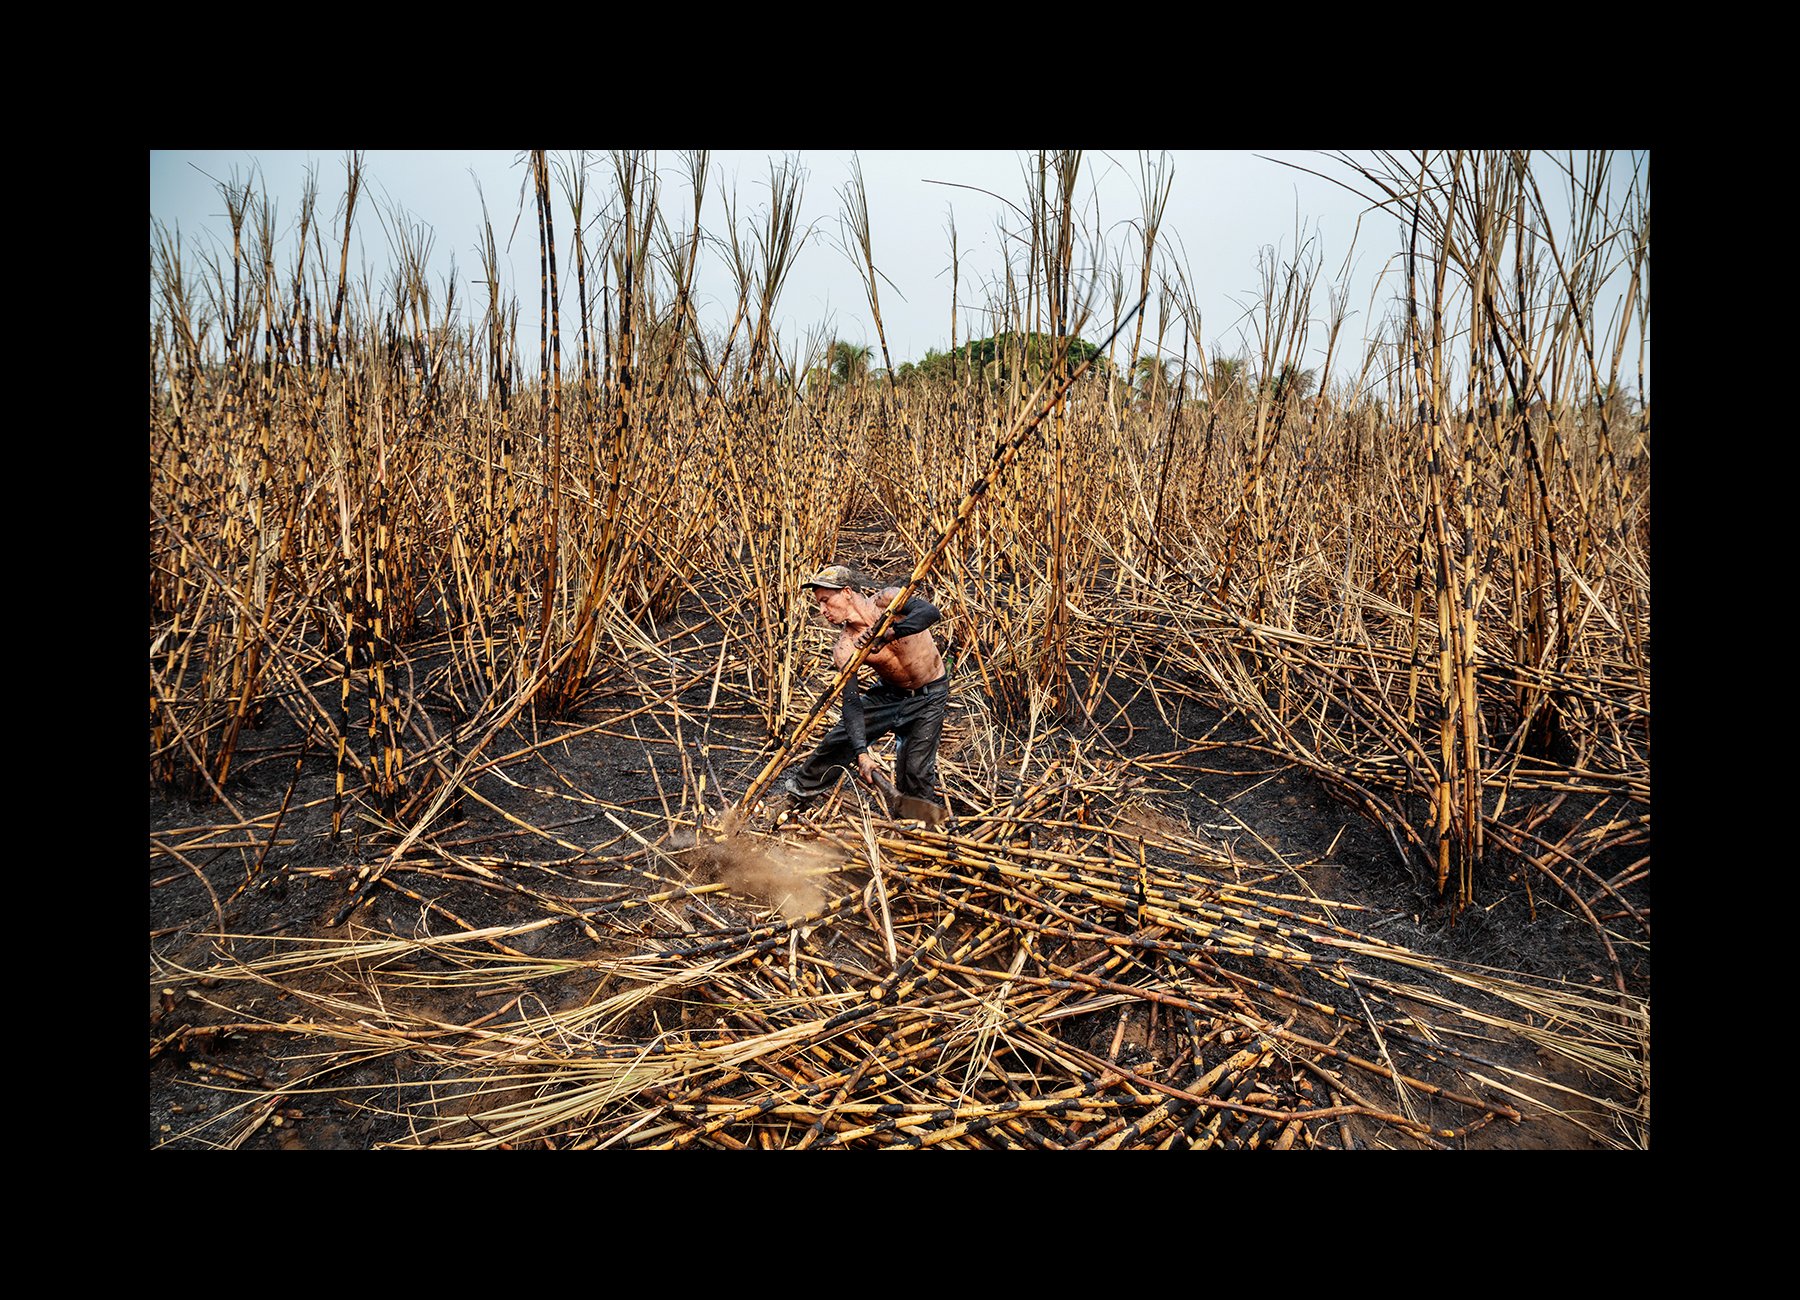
point(833, 576)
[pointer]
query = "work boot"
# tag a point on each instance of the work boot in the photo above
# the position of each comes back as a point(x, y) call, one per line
point(798, 798)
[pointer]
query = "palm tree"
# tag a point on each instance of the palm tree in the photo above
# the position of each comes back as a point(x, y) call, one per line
point(1293, 382)
point(849, 363)
point(1227, 377)
point(1150, 377)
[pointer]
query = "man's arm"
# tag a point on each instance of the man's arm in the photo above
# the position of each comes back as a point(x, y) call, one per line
point(852, 704)
point(914, 617)
point(866, 766)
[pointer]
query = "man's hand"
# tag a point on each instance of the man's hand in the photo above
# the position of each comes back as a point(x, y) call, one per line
point(867, 767)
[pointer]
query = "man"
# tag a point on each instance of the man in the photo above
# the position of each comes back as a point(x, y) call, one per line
point(908, 699)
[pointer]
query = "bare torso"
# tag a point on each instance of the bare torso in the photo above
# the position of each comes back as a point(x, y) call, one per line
point(909, 662)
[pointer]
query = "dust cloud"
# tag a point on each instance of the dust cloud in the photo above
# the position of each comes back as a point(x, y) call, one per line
point(777, 874)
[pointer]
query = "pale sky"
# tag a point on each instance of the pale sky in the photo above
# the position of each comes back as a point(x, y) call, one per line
point(1226, 206)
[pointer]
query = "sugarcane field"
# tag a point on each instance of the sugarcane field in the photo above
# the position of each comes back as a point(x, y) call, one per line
point(589, 712)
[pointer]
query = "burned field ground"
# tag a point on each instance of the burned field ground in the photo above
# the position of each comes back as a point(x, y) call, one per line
point(1142, 930)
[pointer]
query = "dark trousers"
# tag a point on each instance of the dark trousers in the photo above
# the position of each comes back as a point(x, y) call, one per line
point(916, 719)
